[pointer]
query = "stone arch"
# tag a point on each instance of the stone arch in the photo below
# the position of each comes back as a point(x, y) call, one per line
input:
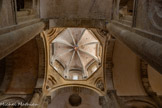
point(84, 93)
point(94, 89)
point(42, 58)
point(146, 83)
point(76, 89)
point(108, 63)
point(108, 73)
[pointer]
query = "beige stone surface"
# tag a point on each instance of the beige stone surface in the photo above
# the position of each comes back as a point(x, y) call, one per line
point(7, 15)
point(155, 80)
point(72, 9)
point(126, 72)
point(22, 66)
point(89, 99)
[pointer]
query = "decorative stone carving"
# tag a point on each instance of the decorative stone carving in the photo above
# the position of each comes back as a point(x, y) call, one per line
point(102, 32)
point(155, 13)
point(51, 82)
point(100, 84)
point(51, 32)
point(38, 90)
point(48, 99)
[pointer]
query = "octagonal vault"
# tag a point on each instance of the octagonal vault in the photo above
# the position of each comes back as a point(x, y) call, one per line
point(76, 53)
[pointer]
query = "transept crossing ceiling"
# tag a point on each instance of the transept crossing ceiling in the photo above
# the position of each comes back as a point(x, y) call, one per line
point(76, 53)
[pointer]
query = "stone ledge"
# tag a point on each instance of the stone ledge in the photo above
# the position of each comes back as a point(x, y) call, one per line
point(143, 33)
point(18, 26)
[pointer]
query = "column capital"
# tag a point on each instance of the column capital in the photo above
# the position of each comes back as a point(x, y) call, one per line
point(48, 99)
point(111, 91)
point(38, 90)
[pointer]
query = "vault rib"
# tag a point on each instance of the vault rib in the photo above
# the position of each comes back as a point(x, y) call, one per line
point(63, 42)
point(81, 36)
point(71, 35)
point(55, 58)
point(96, 58)
point(83, 67)
point(68, 66)
point(89, 43)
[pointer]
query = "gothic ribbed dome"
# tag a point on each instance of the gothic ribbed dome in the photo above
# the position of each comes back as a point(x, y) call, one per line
point(74, 51)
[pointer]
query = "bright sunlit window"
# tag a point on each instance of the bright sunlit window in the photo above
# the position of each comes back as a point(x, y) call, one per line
point(75, 77)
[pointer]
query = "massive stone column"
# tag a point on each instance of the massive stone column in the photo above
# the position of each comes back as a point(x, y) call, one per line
point(11, 41)
point(147, 49)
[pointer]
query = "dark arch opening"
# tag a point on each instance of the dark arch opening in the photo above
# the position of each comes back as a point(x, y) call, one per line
point(20, 4)
point(126, 7)
point(1, 1)
point(75, 100)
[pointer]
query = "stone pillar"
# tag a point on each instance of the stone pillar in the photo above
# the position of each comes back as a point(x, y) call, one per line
point(47, 100)
point(147, 49)
point(102, 102)
point(36, 97)
point(11, 41)
point(110, 100)
point(111, 96)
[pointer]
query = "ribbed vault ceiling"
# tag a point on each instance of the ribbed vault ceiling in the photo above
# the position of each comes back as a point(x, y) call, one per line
point(74, 51)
